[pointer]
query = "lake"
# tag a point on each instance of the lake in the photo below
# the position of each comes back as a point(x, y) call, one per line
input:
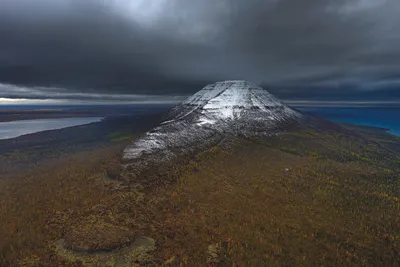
point(17, 128)
point(383, 117)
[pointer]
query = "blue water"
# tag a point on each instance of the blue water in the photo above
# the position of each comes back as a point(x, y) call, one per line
point(388, 118)
point(17, 128)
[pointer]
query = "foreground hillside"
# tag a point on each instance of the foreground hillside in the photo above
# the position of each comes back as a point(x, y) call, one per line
point(301, 198)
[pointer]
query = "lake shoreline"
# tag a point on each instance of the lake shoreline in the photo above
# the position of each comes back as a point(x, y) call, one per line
point(15, 113)
point(27, 150)
point(14, 129)
point(382, 118)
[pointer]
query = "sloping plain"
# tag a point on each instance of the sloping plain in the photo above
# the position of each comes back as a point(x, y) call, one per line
point(301, 198)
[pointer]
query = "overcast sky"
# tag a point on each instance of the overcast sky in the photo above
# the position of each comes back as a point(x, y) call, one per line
point(162, 50)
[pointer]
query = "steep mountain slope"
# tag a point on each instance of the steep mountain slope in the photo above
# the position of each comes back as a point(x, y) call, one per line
point(224, 108)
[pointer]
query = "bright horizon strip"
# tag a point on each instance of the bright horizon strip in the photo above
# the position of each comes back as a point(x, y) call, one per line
point(338, 103)
point(20, 101)
point(25, 101)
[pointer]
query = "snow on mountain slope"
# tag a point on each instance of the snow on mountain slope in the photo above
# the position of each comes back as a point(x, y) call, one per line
point(219, 109)
point(227, 100)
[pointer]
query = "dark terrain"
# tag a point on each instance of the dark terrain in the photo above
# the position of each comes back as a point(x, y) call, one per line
point(301, 198)
point(11, 113)
point(33, 148)
point(121, 123)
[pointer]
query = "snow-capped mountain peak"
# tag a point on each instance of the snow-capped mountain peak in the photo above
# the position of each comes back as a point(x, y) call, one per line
point(219, 109)
point(228, 100)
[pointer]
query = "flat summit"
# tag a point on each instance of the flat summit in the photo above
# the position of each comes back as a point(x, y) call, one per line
point(205, 118)
point(227, 100)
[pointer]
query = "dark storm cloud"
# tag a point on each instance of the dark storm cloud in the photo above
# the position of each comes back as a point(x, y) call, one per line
point(84, 46)
point(109, 47)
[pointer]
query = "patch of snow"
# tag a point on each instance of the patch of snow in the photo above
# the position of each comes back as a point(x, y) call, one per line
point(165, 122)
point(204, 120)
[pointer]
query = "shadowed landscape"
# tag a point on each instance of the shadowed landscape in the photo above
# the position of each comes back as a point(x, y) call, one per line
point(300, 198)
point(199, 133)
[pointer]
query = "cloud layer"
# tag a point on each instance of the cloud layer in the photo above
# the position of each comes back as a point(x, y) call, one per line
point(9, 93)
point(174, 47)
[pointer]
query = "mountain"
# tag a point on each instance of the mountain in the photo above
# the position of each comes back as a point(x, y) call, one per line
point(228, 108)
point(265, 185)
